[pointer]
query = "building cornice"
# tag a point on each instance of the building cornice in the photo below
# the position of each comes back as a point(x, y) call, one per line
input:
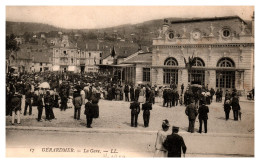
point(202, 68)
point(204, 45)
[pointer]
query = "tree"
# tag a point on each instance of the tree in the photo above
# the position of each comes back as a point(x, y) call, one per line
point(11, 43)
point(191, 62)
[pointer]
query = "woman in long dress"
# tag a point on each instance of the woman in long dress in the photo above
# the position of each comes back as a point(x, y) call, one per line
point(160, 151)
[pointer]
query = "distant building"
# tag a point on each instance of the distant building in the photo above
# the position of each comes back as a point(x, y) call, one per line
point(19, 40)
point(76, 57)
point(20, 60)
point(42, 61)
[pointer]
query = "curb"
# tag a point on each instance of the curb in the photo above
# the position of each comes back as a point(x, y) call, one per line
point(120, 131)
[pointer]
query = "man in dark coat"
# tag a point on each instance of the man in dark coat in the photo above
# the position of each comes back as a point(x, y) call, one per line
point(164, 97)
point(235, 107)
point(176, 95)
point(126, 91)
point(174, 143)
point(191, 112)
point(212, 92)
point(146, 107)
point(135, 110)
point(203, 116)
point(95, 106)
point(227, 108)
point(48, 101)
point(77, 102)
point(39, 106)
point(172, 97)
point(89, 112)
point(28, 102)
point(182, 88)
point(220, 94)
point(132, 93)
point(64, 99)
point(137, 92)
point(169, 97)
point(152, 96)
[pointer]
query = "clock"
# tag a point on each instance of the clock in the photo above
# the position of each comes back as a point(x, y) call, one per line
point(196, 35)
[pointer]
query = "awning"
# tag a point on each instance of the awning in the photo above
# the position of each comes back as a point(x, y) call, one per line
point(55, 68)
point(72, 68)
point(124, 65)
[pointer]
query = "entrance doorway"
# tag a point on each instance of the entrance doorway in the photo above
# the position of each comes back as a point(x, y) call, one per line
point(197, 77)
point(82, 69)
point(225, 80)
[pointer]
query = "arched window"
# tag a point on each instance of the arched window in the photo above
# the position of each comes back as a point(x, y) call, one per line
point(225, 62)
point(199, 62)
point(171, 62)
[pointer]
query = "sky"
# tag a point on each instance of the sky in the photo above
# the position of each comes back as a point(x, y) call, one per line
point(78, 17)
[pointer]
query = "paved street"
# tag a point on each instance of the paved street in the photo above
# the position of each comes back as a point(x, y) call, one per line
point(19, 143)
point(116, 115)
point(112, 131)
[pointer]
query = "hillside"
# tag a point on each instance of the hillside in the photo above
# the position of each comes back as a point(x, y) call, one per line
point(19, 28)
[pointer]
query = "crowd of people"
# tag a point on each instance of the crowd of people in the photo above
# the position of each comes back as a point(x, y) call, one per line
point(81, 90)
point(75, 90)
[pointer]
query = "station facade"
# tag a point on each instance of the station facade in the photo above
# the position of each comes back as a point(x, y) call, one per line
point(222, 49)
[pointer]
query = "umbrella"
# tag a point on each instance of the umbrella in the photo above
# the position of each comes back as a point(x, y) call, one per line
point(44, 85)
point(196, 85)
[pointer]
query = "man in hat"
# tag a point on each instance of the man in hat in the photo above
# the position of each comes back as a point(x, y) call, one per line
point(28, 102)
point(126, 91)
point(135, 110)
point(89, 112)
point(132, 93)
point(235, 107)
point(77, 102)
point(182, 88)
point(48, 101)
point(191, 112)
point(146, 107)
point(227, 108)
point(174, 143)
point(203, 116)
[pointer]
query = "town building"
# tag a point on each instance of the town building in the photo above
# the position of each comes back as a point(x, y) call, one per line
point(42, 60)
point(75, 57)
point(220, 51)
point(222, 47)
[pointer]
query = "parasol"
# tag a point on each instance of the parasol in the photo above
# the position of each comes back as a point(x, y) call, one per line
point(44, 85)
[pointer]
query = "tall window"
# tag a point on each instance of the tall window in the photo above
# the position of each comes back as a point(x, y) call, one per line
point(225, 78)
point(170, 76)
point(196, 76)
point(146, 74)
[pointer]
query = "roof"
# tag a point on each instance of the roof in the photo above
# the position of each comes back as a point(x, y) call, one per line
point(41, 57)
point(207, 19)
point(91, 45)
point(122, 49)
point(140, 58)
